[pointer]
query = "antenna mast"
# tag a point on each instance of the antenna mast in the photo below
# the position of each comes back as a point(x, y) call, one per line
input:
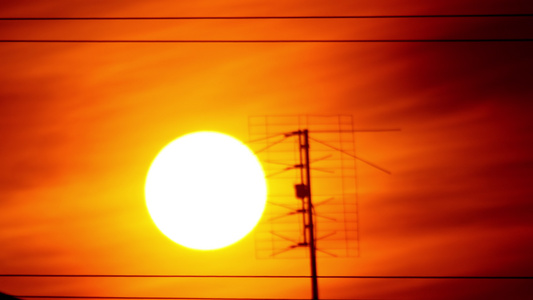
point(288, 165)
point(303, 192)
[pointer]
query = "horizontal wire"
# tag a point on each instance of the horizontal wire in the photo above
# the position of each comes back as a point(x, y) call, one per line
point(166, 298)
point(271, 41)
point(262, 17)
point(152, 276)
point(264, 276)
point(219, 298)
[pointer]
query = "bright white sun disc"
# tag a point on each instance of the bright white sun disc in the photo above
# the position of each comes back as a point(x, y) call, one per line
point(205, 190)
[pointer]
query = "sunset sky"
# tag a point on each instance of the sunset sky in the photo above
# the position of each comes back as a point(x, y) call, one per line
point(80, 124)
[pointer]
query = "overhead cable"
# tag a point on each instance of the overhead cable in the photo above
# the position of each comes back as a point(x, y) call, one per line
point(264, 17)
point(267, 276)
point(231, 41)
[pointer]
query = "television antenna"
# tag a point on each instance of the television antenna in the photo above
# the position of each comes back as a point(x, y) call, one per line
point(270, 137)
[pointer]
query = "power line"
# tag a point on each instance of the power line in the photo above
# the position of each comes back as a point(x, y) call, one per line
point(152, 276)
point(147, 297)
point(263, 17)
point(166, 298)
point(268, 276)
point(229, 276)
point(227, 41)
point(428, 277)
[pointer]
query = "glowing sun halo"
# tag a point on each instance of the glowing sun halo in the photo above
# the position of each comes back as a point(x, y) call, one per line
point(205, 190)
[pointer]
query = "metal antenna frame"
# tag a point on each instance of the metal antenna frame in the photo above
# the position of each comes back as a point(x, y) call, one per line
point(303, 191)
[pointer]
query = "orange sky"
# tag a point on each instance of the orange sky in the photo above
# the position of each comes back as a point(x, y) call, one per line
point(81, 123)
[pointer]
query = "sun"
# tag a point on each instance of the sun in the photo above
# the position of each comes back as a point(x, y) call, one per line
point(205, 190)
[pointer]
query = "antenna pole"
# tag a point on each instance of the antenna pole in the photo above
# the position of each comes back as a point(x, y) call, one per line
point(310, 225)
